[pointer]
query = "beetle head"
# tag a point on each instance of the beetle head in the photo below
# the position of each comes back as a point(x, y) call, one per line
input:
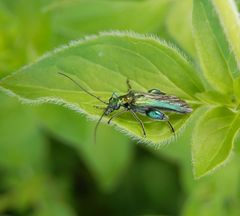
point(114, 104)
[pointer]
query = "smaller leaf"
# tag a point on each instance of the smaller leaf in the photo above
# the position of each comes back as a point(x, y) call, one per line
point(181, 29)
point(229, 16)
point(217, 60)
point(217, 194)
point(213, 139)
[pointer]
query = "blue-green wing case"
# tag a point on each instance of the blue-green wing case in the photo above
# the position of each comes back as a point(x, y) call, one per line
point(144, 101)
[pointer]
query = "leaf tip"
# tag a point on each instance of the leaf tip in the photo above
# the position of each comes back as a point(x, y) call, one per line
point(200, 172)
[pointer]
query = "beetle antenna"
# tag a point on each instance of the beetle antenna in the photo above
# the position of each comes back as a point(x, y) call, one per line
point(96, 127)
point(82, 87)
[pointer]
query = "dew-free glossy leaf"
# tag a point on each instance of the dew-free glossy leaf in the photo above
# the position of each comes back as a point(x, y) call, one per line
point(213, 139)
point(102, 64)
point(217, 60)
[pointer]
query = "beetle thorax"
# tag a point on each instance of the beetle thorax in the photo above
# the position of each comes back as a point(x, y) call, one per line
point(126, 100)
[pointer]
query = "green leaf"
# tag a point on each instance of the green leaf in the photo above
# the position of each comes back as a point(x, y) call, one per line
point(102, 64)
point(216, 98)
point(55, 198)
point(213, 139)
point(54, 208)
point(229, 17)
point(180, 151)
point(181, 29)
point(24, 33)
point(74, 130)
point(216, 194)
point(23, 153)
point(22, 147)
point(238, 4)
point(73, 19)
point(217, 60)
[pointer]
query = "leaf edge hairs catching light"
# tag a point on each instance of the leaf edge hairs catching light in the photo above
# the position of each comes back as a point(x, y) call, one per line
point(151, 104)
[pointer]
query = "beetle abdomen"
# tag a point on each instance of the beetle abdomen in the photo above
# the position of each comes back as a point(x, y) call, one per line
point(156, 114)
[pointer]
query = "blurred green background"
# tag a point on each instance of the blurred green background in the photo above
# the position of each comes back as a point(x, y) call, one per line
point(48, 163)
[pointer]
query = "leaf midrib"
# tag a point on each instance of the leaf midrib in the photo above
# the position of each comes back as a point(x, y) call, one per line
point(170, 57)
point(183, 67)
point(157, 69)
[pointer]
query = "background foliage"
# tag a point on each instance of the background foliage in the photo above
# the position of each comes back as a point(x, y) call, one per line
point(48, 165)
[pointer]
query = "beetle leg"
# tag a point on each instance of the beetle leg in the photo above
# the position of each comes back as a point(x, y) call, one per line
point(140, 122)
point(158, 115)
point(117, 114)
point(170, 125)
point(156, 91)
point(129, 85)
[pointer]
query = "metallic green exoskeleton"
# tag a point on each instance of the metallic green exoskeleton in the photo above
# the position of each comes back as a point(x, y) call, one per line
point(151, 104)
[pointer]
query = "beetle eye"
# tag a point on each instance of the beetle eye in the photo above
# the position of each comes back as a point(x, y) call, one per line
point(114, 95)
point(112, 100)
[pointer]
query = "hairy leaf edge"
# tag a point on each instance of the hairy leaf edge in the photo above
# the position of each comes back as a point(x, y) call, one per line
point(75, 107)
point(130, 34)
point(233, 6)
point(122, 129)
point(224, 162)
